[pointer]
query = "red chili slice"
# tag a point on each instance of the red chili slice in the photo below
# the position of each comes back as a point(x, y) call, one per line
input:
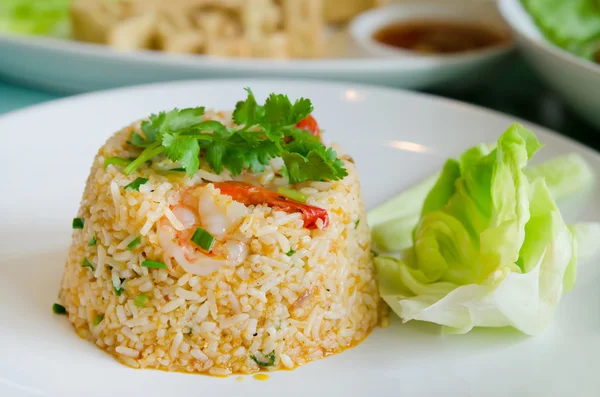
point(253, 195)
point(310, 124)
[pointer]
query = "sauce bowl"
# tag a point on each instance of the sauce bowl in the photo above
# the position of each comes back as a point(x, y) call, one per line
point(460, 68)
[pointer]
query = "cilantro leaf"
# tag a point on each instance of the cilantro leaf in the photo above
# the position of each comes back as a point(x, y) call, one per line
point(300, 141)
point(179, 120)
point(316, 166)
point(150, 128)
point(139, 141)
point(337, 164)
point(215, 143)
point(264, 132)
point(214, 155)
point(246, 152)
point(258, 157)
point(182, 145)
point(308, 159)
point(183, 149)
point(301, 109)
point(279, 112)
point(246, 112)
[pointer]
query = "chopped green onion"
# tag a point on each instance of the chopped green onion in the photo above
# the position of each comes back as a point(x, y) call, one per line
point(135, 185)
point(151, 151)
point(270, 357)
point(153, 264)
point(293, 194)
point(290, 252)
point(77, 223)
point(116, 161)
point(118, 291)
point(356, 223)
point(374, 254)
point(98, 319)
point(173, 171)
point(203, 239)
point(87, 263)
point(134, 242)
point(141, 300)
point(92, 242)
point(58, 309)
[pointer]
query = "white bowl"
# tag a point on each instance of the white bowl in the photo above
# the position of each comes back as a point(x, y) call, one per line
point(577, 80)
point(461, 67)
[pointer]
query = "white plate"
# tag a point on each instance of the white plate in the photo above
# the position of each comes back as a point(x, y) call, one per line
point(395, 137)
point(70, 66)
point(576, 79)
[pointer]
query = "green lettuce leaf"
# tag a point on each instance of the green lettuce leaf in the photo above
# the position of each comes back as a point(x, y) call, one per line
point(35, 17)
point(491, 248)
point(393, 222)
point(571, 24)
point(564, 175)
point(407, 203)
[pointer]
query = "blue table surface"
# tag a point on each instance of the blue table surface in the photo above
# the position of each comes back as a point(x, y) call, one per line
point(14, 97)
point(514, 90)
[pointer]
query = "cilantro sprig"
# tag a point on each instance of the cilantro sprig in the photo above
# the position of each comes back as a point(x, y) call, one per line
point(264, 132)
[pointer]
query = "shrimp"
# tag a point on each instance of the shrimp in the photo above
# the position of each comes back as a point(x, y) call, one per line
point(254, 195)
point(217, 214)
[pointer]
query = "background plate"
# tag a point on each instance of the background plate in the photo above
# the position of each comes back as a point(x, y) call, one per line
point(395, 137)
point(73, 67)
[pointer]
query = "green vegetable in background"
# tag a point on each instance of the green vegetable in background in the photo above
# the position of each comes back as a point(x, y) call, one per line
point(571, 24)
point(490, 248)
point(35, 17)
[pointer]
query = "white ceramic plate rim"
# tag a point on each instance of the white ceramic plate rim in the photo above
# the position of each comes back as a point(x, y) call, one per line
point(540, 42)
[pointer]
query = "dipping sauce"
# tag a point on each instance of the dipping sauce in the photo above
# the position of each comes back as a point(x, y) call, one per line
point(439, 37)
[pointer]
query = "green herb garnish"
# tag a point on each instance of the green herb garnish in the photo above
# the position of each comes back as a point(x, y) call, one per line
point(87, 263)
point(293, 194)
point(134, 242)
point(356, 223)
point(77, 223)
point(374, 254)
point(116, 161)
point(270, 357)
point(203, 239)
point(135, 185)
point(140, 300)
point(58, 309)
point(183, 134)
point(98, 319)
point(119, 291)
point(36, 18)
point(92, 242)
point(153, 264)
point(290, 252)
